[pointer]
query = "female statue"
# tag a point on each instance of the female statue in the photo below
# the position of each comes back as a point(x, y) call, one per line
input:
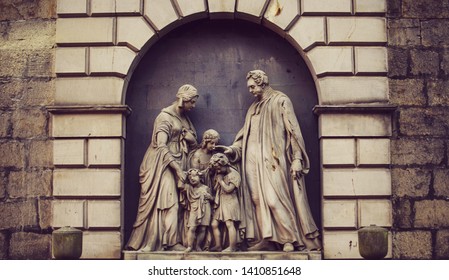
point(157, 226)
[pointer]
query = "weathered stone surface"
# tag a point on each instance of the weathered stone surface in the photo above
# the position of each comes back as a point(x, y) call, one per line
point(397, 62)
point(14, 63)
point(5, 124)
point(412, 245)
point(34, 92)
point(441, 182)
point(424, 62)
point(45, 212)
point(404, 32)
point(27, 245)
point(442, 244)
point(40, 64)
point(29, 183)
point(41, 154)
point(425, 151)
point(3, 184)
point(12, 154)
point(438, 92)
point(4, 244)
point(38, 92)
point(25, 9)
point(394, 8)
point(28, 123)
point(445, 61)
point(29, 36)
point(435, 32)
point(11, 91)
point(18, 214)
point(431, 214)
point(407, 92)
point(402, 213)
point(425, 8)
point(410, 182)
point(423, 121)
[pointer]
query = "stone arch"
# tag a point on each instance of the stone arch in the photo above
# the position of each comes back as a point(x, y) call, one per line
point(100, 42)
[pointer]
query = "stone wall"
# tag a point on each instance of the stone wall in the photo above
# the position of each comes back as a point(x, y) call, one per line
point(419, 84)
point(27, 40)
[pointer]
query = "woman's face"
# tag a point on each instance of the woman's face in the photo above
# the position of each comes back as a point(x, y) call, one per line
point(189, 105)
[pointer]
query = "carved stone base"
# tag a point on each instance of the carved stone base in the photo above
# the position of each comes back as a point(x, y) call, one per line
point(168, 255)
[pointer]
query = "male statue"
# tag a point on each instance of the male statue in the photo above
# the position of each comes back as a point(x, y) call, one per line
point(273, 164)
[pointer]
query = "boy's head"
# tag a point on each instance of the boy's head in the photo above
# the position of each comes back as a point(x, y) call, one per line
point(218, 161)
point(193, 175)
point(210, 139)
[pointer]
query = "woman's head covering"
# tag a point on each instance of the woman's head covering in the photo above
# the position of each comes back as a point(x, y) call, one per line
point(186, 93)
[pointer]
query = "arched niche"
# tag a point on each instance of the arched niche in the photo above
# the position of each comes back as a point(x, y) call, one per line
point(215, 56)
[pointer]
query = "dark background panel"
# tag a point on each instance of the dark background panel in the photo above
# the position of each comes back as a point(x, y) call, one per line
point(215, 57)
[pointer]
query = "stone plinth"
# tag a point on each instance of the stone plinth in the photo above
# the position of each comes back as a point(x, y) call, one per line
point(169, 255)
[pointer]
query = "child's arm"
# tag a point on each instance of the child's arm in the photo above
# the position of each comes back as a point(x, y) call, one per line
point(228, 188)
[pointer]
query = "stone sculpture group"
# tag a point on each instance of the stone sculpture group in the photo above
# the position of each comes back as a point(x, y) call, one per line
point(250, 196)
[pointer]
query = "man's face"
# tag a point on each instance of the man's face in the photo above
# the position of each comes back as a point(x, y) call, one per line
point(253, 88)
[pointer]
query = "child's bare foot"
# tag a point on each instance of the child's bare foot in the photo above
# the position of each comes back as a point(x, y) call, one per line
point(230, 249)
point(188, 250)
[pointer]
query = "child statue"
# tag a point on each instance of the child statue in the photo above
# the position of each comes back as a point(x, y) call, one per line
point(200, 157)
point(196, 197)
point(226, 203)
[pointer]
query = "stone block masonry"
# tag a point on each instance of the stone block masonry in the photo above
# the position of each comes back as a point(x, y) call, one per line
point(418, 77)
point(27, 41)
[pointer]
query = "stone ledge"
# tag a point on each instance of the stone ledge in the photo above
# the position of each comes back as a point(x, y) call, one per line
point(169, 255)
